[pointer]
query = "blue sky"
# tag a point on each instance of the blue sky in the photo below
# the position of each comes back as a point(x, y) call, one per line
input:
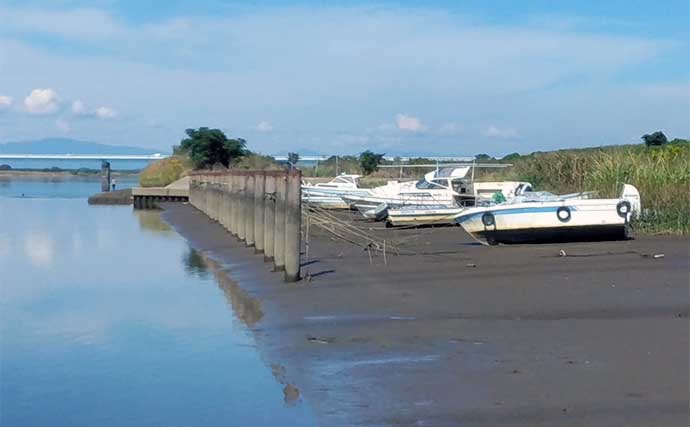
point(444, 77)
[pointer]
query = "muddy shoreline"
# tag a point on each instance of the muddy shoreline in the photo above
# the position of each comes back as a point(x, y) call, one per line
point(461, 334)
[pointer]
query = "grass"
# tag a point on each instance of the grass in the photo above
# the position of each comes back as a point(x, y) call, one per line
point(661, 174)
point(163, 172)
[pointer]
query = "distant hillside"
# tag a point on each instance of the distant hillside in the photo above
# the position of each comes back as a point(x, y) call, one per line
point(71, 146)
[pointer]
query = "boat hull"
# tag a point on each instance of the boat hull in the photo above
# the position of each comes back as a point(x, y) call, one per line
point(579, 220)
point(414, 217)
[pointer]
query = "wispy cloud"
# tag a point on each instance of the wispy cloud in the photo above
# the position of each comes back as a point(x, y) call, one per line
point(494, 132)
point(5, 102)
point(264, 127)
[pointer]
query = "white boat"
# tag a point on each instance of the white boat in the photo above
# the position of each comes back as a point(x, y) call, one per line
point(422, 215)
point(446, 187)
point(327, 194)
point(534, 217)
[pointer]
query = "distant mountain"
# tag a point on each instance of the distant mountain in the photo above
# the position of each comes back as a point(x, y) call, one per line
point(69, 146)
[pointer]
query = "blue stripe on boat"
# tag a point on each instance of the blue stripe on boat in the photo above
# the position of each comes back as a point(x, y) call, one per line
point(536, 209)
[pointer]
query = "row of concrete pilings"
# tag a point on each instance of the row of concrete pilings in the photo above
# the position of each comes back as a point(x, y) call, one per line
point(261, 208)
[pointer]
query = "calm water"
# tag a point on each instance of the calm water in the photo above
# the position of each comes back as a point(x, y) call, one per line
point(62, 188)
point(74, 164)
point(107, 317)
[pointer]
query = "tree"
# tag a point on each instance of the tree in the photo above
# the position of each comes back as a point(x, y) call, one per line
point(483, 157)
point(510, 157)
point(292, 159)
point(657, 138)
point(206, 147)
point(369, 161)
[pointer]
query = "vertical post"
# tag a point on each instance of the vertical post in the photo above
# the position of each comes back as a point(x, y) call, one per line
point(249, 211)
point(293, 225)
point(259, 190)
point(105, 176)
point(225, 213)
point(231, 202)
point(235, 203)
point(279, 239)
point(239, 214)
point(269, 216)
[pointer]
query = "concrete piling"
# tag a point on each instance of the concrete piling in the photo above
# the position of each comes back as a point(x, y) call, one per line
point(249, 211)
point(242, 181)
point(293, 225)
point(261, 208)
point(279, 231)
point(259, 189)
point(269, 215)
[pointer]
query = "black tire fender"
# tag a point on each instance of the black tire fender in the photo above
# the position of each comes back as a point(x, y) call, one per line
point(563, 214)
point(623, 208)
point(488, 219)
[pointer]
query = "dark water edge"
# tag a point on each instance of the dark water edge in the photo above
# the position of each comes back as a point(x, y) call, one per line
point(108, 317)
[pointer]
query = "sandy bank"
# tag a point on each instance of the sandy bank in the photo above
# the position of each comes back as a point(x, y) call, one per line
point(460, 334)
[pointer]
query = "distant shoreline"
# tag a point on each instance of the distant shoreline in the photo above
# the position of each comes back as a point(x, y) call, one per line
point(62, 174)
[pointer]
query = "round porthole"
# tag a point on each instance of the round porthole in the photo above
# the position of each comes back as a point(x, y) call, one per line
point(488, 219)
point(623, 208)
point(563, 214)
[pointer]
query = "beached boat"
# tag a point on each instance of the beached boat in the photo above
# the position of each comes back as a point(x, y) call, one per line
point(445, 187)
point(327, 194)
point(422, 215)
point(534, 217)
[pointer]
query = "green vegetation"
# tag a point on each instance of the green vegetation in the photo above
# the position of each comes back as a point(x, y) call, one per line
point(208, 147)
point(257, 161)
point(660, 173)
point(369, 162)
point(165, 171)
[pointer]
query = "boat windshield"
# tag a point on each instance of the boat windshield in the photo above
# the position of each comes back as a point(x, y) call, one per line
point(423, 184)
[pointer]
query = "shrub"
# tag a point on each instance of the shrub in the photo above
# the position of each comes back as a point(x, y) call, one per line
point(163, 172)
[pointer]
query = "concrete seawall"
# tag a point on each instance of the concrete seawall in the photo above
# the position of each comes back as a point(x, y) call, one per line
point(262, 208)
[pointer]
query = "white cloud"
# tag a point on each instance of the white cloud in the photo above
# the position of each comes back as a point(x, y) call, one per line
point(506, 133)
point(105, 113)
point(62, 125)
point(42, 101)
point(5, 102)
point(409, 123)
point(78, 107)
point(264, 127)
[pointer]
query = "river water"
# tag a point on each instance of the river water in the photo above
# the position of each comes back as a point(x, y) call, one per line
point(108, 317)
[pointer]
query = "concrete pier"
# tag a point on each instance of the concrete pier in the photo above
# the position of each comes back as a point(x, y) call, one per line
point(293, 225)
point(259, 197)
point(105, 176)
point(279, 231)
point(249, 211)
point(269, 216)
point(261, 208)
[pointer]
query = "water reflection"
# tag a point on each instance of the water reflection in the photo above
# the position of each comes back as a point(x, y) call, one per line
point(39, 249)
point(245, 307)
point(151, 221)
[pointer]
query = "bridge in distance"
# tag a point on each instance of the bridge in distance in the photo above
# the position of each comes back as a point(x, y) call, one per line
point(158, 156)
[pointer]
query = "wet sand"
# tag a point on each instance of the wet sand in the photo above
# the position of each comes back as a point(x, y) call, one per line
point(462, 334)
